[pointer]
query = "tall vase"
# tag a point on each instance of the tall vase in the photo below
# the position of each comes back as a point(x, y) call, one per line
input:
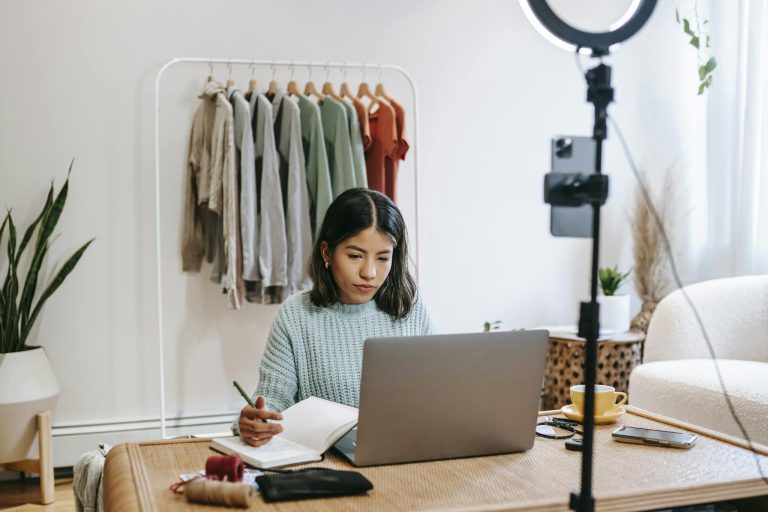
point(27, 387)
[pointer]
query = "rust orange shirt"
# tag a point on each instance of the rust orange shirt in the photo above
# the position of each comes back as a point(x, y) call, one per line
point(384, 145)
point(392, 164)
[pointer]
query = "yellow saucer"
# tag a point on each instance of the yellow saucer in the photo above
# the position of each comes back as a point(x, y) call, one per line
point(612, 415)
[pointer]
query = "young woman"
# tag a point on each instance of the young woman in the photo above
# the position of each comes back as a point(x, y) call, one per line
point(362, 288)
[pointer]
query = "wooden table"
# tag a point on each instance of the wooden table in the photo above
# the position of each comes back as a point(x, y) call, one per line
point(616, 358)
point(626, 477)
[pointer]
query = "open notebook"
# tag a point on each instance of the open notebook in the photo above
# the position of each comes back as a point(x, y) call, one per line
point(310, 427)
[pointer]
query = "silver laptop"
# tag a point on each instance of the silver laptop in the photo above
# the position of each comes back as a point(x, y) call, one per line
point(440, 397)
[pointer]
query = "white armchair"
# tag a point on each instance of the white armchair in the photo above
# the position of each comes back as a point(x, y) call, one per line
point(678, 377)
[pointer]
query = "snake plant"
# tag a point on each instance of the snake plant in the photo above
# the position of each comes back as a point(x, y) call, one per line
point(20, 303)
point(610, 279)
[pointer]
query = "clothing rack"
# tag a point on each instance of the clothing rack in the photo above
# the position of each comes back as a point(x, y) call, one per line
point(271, 64)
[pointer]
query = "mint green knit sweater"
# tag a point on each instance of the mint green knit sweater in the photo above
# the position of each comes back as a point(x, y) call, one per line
point(318, 351)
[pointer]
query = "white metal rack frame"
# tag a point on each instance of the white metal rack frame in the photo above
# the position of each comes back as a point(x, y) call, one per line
point(272, 64)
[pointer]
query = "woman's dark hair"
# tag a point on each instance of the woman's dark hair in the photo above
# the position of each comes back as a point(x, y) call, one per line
point(354, 211)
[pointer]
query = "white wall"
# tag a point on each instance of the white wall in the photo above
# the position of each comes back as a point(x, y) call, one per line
point(79, 80)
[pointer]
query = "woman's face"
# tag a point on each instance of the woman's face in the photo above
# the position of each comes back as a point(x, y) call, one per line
point(360, 265)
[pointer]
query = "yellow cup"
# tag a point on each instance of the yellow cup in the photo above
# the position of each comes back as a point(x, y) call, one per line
point(605, 398)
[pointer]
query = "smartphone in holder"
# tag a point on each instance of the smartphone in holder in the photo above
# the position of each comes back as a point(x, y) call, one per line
point(572, 154)
point(652, 437)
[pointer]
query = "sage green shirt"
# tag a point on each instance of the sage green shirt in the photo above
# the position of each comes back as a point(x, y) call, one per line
point(338, 145)
point(356, 139)
point(316, 160)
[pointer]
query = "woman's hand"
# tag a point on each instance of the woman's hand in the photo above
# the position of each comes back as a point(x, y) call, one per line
point(254, 428)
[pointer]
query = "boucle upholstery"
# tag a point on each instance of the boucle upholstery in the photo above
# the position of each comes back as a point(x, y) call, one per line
point(678, 377)
point(734, 312)
point(689, 390)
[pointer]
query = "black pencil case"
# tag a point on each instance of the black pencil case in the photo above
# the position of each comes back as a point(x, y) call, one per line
point(312, 483)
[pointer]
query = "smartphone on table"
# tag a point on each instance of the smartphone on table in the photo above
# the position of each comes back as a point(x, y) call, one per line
point(647, 436)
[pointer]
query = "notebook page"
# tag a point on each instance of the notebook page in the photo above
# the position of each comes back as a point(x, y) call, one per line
point(274, 453)
point(317, 423)
point(279, 449)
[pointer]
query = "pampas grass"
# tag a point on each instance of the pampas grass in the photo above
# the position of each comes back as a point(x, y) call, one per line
point(653, 277)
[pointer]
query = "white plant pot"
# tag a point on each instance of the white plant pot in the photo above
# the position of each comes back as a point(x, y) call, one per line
point(614, 313)
point(27, 387)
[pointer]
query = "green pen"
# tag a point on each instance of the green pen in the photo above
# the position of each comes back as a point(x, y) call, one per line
point(245, 395)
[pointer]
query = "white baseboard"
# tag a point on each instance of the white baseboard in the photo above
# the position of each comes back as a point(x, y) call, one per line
point(71, 441)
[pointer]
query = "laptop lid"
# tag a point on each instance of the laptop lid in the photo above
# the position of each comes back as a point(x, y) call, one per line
point(447, 396)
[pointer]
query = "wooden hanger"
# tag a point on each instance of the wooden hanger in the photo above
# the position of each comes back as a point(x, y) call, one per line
point(345, 91)
point(328, 86)
point(252, 81)
point(273, 87)
point(381, 93)
point(328, 91)
point(293, 88)
point(230, 82)
point(310, 89)
point(364, 91)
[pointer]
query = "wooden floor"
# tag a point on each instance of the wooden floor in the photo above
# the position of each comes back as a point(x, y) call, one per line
point(18, 496)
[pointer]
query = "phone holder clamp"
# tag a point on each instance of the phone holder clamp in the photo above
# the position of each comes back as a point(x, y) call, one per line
point(561, 189)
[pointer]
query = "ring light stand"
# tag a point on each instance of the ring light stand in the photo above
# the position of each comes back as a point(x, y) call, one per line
point(587, 188)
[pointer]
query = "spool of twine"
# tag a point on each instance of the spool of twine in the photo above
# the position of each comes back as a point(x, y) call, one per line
point(224, 467)
point(202, 490)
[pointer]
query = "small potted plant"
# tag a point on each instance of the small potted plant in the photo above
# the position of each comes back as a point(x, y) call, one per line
point(27, 383)
point(614, 309)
